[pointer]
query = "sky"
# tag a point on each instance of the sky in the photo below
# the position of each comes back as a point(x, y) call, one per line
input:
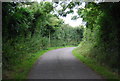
point(73, 23)
point(67, 19)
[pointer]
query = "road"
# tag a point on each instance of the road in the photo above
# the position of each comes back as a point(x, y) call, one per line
point(61, 64)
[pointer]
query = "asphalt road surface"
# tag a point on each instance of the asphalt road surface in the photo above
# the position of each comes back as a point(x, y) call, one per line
point(61, 64)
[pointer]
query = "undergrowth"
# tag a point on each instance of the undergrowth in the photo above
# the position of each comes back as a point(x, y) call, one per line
point(83, 53)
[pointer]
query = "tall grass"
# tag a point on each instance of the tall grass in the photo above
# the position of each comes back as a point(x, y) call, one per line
point(86, 53)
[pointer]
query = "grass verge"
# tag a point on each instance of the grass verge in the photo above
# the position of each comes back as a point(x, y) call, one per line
point(102, 70)
point(20, 71)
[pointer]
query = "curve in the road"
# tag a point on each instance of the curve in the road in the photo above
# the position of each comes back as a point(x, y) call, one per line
point(61, 64)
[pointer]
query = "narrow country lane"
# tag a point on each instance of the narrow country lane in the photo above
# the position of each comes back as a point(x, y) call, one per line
point(61, 64)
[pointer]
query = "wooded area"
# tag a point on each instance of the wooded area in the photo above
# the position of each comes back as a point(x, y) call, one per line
point(31, 26)
point(101, 36)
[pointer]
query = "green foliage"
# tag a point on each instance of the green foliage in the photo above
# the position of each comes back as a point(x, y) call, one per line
point(104, 71)
point(31, 27)
point(20, 71)
point(69, 35)
point(101, 33)
point(67, 8)
point(74, 18)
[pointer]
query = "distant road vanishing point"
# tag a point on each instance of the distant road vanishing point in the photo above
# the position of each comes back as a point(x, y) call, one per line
point(61, 64)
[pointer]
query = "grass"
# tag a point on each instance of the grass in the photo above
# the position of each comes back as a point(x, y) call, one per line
point(102, 70)
point(20, 71)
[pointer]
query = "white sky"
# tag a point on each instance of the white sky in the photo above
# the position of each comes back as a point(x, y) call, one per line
point(67, 19)
point(73, 23)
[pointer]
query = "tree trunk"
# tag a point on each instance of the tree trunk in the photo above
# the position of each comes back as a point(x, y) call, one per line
point(49, 38)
